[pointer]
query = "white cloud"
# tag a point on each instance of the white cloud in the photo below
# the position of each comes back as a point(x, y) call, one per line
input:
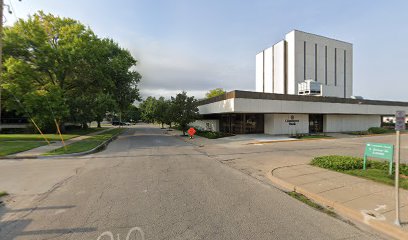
point(166, 70)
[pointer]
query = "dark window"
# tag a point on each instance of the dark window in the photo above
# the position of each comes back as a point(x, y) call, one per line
point(315, 62)
point(325, 65)
point(335, 67)
point(273, 69)
point(240, 123)
point(345, 74)
point(263, 71)
point(304, 60)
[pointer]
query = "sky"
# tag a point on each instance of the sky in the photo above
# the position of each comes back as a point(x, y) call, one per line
point(196, 45)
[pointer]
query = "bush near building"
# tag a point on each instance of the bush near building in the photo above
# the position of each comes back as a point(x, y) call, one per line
point(212, 135)
point(373, 130)
point(378, 130)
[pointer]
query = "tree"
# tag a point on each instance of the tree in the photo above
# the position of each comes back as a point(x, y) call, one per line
point(48, 57)
point(125, 80)
point(103, 103)
point(132, 114)
point(147, 109)
point(170, 113)
point(160, 111)
point(215, 92)
point(185, 110)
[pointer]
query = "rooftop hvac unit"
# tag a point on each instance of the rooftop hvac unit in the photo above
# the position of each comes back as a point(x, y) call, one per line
point(357, 97)
point(310, 87)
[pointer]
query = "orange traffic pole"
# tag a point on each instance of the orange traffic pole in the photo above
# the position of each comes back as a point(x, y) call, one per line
point(59, 131)
point(32, 120)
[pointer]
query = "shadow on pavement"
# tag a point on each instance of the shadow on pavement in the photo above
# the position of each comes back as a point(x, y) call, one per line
point(10, 229)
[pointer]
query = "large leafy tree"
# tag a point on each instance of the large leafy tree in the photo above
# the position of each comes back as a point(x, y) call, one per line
point(170, 113)
point(214, 92)
point(132, 114)
point(160, 111)
point(185, 110)
point(103, 103)
point(148, 109)
point(125, 79)
point(57, 68)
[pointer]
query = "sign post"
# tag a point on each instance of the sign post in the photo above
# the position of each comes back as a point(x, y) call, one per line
point(399, 125)
point(379, 150)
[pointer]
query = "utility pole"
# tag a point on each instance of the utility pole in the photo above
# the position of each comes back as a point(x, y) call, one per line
point(1, 51)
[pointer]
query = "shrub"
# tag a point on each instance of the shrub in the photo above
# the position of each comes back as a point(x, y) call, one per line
point(212, 135)
point(338, 163)
point(404, 169)
point(344, 163)
point(359, 133)
point(377, 130)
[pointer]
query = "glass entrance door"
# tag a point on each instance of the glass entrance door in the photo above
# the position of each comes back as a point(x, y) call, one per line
point(315, 123)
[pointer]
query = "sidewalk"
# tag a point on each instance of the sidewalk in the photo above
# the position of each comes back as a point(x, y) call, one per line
point(286, 165)
point(363, 200)
point(36, 152)
point(242, 139)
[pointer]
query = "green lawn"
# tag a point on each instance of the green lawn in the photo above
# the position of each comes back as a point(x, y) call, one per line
point(50, 137)
point(2, 194)
point(312, 204)
point(7, 148)
point(378, 175)
point(376, 170)
point(15, 143)
point(86, 144)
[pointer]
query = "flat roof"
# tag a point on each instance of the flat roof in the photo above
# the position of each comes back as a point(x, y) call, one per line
point(288, 97)
point(321, 36)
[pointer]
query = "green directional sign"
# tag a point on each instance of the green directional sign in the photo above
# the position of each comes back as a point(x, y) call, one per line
point(379, 150)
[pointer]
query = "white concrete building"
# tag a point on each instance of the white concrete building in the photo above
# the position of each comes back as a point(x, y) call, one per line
point(303, 56)
point(303, 85)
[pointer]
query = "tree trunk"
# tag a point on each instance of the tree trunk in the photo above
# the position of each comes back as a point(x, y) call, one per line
point(162, 125)
point(62, 127)
point(85, 125)
point(99, 124)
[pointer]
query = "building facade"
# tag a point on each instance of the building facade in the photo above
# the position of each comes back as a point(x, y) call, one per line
point(303, 56)
point(243, 112)
point(304, 84)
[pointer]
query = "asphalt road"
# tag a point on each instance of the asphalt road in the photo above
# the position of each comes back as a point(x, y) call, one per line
point(156, 185)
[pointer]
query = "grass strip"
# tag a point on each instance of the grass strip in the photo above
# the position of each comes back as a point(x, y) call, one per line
point(3, 193)
point(86, 144)
point(378, 175)
point(312, 204)
point(7, 148)
point(51, 137)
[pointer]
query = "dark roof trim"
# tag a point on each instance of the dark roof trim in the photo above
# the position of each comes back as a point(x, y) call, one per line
point(287, 97)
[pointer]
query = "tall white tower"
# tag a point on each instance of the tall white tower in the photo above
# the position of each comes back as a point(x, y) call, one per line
point(303, 56)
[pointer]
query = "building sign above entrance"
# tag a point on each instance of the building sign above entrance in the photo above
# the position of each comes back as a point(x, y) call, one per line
point(292, 121)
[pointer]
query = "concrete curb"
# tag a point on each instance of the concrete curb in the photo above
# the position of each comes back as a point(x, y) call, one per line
point(98, 148)
point(387, 229)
